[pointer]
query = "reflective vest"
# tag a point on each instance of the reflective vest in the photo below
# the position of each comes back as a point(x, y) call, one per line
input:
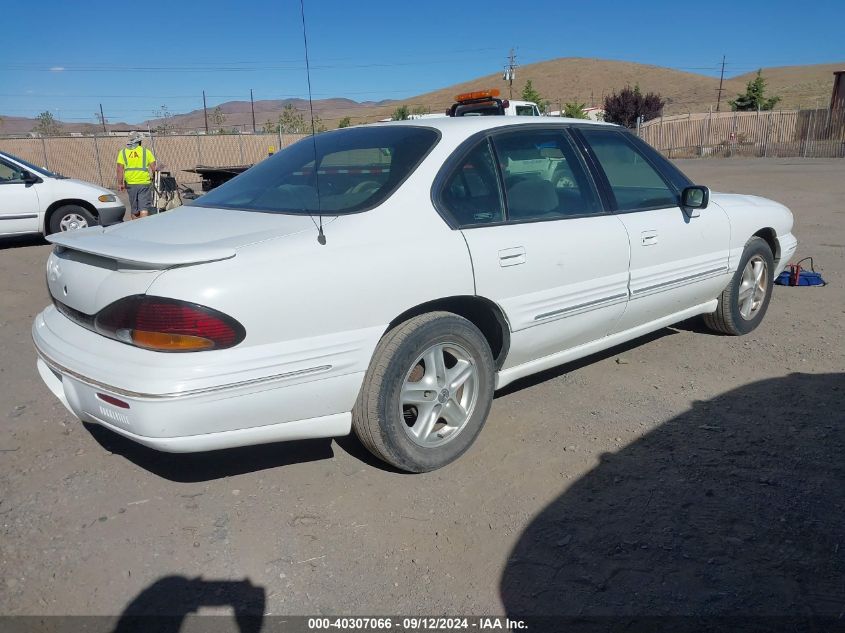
point(135, 163)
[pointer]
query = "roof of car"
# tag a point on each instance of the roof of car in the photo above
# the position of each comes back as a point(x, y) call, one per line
point(471, 124)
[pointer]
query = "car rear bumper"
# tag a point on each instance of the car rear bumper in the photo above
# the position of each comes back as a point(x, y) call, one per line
point(167, 414)
point(160, 422)
point(141, 419)
point(111, 215)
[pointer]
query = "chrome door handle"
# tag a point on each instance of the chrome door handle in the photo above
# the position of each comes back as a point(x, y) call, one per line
point(512, 256)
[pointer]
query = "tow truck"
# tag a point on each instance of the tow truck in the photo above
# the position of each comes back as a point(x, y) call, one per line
point(488, 103)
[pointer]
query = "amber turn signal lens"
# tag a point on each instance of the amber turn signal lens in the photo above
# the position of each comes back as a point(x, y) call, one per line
point(170, 342)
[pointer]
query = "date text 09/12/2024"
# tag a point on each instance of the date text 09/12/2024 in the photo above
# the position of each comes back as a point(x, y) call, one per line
point(409, 624)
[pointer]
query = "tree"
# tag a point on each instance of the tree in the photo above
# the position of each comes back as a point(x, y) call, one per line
point(344, 122)
point(401, 113)
point(755, 96)
point(291, 121)
point(47, 125)
point(574, 110)
point(319, 126)
point(270, 127)
point(218, 119)
point(165, 125)
point(625, 107)
point(529, 93)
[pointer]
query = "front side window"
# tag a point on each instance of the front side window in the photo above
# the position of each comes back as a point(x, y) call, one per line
point(34, 168)
point(634, 182)
point(544, 178)
point(10, 172)
point(471, 192)
point(355, 169)
point(526, 110)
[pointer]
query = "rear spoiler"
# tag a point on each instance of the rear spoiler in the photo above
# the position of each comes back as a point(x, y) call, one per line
point(97, 241)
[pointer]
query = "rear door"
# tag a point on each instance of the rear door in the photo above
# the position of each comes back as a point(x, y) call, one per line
point(19, 205)
point(542, 246)
point(678, 259)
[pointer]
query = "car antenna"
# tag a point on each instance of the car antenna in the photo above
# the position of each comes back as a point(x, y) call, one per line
point(321, 237)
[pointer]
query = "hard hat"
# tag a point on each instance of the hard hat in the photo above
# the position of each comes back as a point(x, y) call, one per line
point(135, 138)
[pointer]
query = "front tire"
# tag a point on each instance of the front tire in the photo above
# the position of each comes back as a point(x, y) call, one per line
point(743, 304)
point(71, 217)
point(427, 392)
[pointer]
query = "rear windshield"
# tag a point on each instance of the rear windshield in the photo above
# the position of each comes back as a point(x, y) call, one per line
point(488, 108)
point(356, 169)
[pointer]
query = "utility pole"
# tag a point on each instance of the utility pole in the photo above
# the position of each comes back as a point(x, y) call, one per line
point(510, 72)
point(205, 111)
point(252, 105)
point(721, 81)
point(103, 119)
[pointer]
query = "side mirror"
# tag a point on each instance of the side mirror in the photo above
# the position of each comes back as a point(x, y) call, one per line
point(695, 197)
point(29, 178)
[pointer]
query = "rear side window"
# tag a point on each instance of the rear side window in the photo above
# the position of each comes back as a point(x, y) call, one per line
point(544, 178)
point(354, 170)
point(634, 182)
point(471, 192)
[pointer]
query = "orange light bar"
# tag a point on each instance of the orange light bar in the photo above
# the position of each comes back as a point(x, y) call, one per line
point(478, 94)
point(170, 342)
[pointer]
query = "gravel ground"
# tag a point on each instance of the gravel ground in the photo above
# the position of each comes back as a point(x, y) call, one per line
point(684, 473)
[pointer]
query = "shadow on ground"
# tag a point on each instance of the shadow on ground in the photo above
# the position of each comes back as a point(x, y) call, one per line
point(22, 241)
point(195, 467)
point(163, 606)
point(734, 508)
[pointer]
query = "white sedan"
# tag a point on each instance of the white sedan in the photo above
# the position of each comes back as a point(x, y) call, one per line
point(390, 285)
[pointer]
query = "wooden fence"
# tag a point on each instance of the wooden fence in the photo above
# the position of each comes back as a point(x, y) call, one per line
point(782, 133)
point(786, 133)
point(93, 158)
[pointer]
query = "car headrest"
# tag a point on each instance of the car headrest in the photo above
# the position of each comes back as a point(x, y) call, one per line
point(529, 197)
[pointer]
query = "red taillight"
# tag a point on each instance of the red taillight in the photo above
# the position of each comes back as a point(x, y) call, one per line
point(168, 325)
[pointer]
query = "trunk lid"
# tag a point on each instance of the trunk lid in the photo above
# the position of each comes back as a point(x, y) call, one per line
point(94, 267)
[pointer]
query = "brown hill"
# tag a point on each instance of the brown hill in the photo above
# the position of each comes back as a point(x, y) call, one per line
point(558, 80)
point(588, 80)
point(797, 86)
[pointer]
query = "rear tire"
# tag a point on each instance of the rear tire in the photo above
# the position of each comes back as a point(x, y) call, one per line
point(427, 392)
point(71, 217)
point(743, 304)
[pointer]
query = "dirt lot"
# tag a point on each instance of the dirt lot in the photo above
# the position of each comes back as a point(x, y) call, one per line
point(685, 473)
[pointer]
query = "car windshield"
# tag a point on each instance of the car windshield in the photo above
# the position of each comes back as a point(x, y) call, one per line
point(356, 169)
point(31, 167)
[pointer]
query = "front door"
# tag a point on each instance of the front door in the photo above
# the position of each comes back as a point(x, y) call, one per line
point(18, 201)
point(679, 259)
point(542, 247)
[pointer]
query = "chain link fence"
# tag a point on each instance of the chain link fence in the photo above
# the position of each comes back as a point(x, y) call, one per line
point(93, 158)
point(785, 133)
point(816, 133)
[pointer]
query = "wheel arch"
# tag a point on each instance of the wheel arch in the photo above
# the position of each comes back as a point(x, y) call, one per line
point(58, 204)
point(770, 236)
point(486, 315)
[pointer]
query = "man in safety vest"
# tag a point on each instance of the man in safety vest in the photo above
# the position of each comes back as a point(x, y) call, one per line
point(135, 168)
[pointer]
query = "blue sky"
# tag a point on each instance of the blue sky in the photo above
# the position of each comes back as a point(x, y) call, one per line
point(72, 56)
